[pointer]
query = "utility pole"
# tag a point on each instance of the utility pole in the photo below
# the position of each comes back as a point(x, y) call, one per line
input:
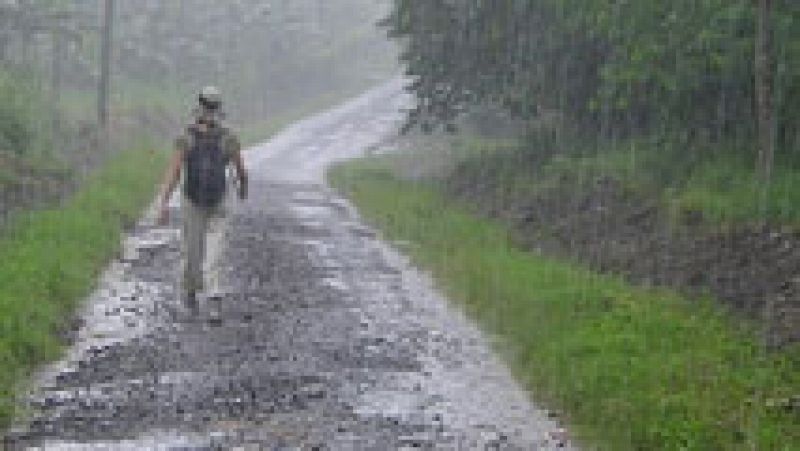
point(24, 9)
point(105, 71)
point(55, 82)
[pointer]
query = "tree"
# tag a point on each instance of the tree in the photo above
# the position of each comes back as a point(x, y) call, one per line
point(105, 67)
point(611, 68)
point(765, 88)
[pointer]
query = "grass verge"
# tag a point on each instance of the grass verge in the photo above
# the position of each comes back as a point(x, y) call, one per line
point(50, 260)
point(631, 368)
point(716, 180)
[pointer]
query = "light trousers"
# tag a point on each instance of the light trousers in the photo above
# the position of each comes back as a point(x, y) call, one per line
point(202, 234)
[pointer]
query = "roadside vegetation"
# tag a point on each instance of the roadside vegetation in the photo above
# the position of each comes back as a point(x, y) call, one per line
point(630, 368)
point(714, 183)
point(698, 98)
point(644, 211)
point(52, 256)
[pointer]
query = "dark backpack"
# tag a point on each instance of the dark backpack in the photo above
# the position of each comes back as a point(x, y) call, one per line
point(204, 183)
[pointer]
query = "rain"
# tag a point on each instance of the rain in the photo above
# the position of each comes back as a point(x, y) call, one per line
point(399, 224)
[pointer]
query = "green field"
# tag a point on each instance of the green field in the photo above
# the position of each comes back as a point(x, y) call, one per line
point(630, 368)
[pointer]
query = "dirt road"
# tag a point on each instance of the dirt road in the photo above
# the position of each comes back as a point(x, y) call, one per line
point(321, 336)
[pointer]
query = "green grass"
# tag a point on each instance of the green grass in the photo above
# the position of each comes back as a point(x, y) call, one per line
point(50, 260)
point(727, 192)
point(21, 114)
point(30, 170)
point(716, 180)
point(720, 183)
point(631, 368)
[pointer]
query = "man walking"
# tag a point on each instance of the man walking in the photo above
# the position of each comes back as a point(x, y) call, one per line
point(202, 155)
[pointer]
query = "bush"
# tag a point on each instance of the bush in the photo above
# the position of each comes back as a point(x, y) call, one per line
point(15, 131)
point(19, 105)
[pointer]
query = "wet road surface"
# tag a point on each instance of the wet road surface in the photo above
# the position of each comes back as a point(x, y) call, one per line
point(316, 335)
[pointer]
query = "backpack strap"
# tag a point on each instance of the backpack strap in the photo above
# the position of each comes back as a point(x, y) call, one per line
point(193, 132)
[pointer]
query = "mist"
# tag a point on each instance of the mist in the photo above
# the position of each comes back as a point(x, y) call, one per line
point(400, 224)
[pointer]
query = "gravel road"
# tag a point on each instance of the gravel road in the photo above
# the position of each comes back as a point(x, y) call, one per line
point(317, 335)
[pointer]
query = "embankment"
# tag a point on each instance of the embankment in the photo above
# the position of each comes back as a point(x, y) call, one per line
point(52, 256)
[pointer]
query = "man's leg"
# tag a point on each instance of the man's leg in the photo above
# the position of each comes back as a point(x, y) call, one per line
point(194, 241)
point(215, 233)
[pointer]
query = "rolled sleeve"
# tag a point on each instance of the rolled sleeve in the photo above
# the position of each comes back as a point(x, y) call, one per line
point(182, 143)
point(232, 146)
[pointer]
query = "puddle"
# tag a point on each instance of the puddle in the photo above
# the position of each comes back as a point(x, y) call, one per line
point(166, 440)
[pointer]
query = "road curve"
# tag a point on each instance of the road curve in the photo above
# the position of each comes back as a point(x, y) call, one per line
point(319, 336)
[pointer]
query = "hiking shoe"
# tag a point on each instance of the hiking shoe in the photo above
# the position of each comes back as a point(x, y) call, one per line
point(190, 302)
point(214, 303)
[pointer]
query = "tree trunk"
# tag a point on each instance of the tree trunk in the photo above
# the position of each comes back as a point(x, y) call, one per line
point(765, 81)
point(765, 89)
point(105, 68)
point(55, 87)
point(4, 42)
point(25, 34)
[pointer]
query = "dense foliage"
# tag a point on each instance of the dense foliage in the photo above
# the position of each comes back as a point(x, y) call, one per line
point(16, 121)
point(609, 67)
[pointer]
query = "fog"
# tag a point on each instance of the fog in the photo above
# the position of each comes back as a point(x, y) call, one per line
point(395, 224)
point(267, 57)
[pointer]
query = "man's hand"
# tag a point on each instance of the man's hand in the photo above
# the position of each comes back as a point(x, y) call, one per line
point(243, 189)
point(171, 179)
point(163, 214)
point(241, 174)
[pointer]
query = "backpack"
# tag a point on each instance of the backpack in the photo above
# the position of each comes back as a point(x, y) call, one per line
point(205, 163)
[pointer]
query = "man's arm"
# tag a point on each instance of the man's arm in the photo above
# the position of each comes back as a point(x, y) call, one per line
point(241, 173)
point(171, 180)
point(234, 149)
